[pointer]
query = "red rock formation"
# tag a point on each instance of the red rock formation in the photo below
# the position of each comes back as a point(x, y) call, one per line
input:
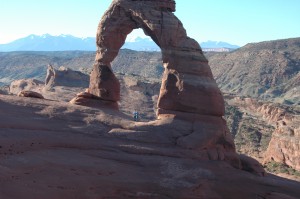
point(87, 99)
point(187, 85)
point(188, 90)
point(65, 77)
point(284, 145)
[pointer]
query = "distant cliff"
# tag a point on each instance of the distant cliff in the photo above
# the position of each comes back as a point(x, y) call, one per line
point(267, 70)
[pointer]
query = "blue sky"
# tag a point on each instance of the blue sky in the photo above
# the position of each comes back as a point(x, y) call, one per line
point(234, 21)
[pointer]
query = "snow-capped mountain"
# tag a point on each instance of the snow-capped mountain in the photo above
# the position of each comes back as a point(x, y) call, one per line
point(217, 44)
point(141, 44)
point(48, 42)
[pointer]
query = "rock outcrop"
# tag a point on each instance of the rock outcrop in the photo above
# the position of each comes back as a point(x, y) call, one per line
point(49, 80)
point(27, 88)
point(30, 94)
point(87, 99)
point(25, 84)
point(284, 146)
point(65, 77)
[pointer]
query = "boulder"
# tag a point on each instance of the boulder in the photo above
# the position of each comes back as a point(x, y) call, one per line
point(30, 94)
point(87, 99)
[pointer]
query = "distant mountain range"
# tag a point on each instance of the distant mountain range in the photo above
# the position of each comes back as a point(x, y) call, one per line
point(48, 42)
point(141, 44)
point(217, 44)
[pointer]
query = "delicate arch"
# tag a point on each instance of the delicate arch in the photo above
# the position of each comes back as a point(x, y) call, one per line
point(187, 84)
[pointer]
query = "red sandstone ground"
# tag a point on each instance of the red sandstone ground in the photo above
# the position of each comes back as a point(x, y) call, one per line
point(53, 149)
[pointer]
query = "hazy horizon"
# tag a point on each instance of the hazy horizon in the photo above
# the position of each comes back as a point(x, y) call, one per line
point(231, 21)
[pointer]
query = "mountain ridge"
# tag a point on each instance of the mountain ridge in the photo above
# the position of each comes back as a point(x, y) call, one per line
point(265, 70)
point(218, 44)
point(47, 42)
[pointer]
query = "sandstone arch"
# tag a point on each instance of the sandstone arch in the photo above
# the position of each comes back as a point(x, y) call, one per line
point(187, 85)
point(188, 91)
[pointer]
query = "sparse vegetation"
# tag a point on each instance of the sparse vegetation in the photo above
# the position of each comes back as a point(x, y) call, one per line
point(276, 167)
point(251, 134)
point(233, 117)
point(266, 70)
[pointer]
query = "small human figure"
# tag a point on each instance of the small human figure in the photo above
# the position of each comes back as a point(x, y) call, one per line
point(135, 115)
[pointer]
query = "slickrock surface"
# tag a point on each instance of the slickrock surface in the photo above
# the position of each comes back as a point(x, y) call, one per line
point(57, 150)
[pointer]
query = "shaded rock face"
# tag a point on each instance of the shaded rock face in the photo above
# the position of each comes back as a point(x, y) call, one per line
point(187, 85)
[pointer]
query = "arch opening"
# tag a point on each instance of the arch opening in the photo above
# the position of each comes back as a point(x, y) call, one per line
point(139, 69)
